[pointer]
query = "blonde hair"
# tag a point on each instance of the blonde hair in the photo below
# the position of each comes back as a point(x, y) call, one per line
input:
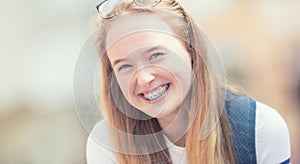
point(205, 98)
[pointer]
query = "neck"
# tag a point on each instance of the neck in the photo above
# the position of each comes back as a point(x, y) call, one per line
point(175, 126)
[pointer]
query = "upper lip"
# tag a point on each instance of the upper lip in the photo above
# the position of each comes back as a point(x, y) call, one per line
point(151, 90)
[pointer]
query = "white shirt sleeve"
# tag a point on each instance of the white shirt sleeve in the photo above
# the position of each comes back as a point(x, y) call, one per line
point(272, 136)
point(96, 152)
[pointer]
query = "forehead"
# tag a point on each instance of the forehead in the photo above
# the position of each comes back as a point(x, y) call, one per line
point(138, 30)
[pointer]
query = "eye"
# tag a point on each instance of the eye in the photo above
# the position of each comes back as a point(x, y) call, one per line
point(155, 55)
point(125, 66)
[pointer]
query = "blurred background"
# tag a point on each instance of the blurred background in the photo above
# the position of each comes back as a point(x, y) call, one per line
point(259, 41)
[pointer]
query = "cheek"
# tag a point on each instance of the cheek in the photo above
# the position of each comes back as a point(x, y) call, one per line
point(123, 84)
point(183, 79)
point(127, 85)
point(179, 67)
point(182, 73)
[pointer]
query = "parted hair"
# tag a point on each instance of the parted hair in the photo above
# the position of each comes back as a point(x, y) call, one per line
point(205, 99)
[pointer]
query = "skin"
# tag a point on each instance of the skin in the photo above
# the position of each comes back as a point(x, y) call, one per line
point(145, 61)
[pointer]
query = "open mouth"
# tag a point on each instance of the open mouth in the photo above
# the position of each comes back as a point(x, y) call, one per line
point(157, 93)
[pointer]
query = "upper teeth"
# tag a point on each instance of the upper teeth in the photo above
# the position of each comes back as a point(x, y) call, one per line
point(155, 94)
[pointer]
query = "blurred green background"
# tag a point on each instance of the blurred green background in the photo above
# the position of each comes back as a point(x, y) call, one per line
point(259, 41)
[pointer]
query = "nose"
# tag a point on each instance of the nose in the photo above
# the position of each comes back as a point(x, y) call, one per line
point(144, 77)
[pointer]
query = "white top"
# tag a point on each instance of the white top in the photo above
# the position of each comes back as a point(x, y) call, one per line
point(272, 141)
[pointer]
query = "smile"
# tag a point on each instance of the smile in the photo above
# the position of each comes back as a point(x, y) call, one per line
point(153, 95)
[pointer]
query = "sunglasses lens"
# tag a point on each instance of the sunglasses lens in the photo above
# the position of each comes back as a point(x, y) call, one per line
point(147, 3)
point(106, 8)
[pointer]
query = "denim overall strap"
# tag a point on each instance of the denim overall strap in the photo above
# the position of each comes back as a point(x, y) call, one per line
point(241, 115)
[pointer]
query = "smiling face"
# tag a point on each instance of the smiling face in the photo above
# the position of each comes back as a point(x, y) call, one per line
point(152, 67)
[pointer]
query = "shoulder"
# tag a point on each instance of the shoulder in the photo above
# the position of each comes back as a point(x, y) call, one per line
point(272, 136)
point(260, 134)
point(98, 147)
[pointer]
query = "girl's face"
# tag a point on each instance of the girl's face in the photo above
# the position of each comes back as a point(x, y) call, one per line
point(152, 66)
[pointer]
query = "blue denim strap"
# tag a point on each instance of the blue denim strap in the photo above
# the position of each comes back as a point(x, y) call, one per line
point(241, 111)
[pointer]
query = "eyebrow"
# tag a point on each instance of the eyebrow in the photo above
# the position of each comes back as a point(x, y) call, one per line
point(147, 51)
point(118, 61)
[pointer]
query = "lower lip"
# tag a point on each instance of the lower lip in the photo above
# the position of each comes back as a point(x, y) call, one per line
point(159, 98)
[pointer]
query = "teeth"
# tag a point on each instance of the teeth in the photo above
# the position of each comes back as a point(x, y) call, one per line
point(155, 94)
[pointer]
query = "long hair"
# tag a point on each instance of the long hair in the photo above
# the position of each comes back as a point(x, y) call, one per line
point(205, 99)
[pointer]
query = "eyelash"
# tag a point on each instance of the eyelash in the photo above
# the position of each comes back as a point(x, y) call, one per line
point(155, 55)
point(124, 67)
